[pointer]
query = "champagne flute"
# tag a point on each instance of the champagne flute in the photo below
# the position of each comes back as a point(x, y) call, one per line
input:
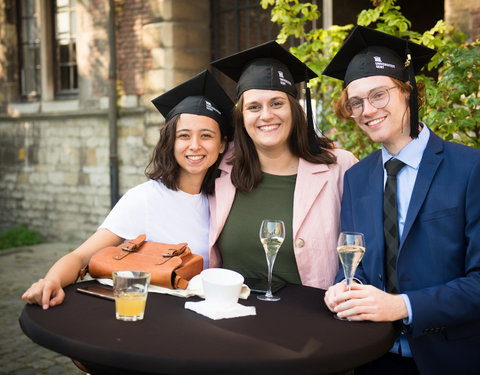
point(272, 234)
point(350, 249)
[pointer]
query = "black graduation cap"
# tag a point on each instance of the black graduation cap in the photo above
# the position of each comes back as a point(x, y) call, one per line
point(201, 95)
point(367, 52)
point(269, 66)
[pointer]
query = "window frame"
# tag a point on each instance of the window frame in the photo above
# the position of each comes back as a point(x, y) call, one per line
point(70, 37)
point(48, 87)
point(24, 27)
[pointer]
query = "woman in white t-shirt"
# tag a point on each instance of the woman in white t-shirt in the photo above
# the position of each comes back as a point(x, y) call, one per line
point(172, 206)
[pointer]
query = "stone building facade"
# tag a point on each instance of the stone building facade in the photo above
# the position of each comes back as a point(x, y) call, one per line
point(55, 143)
point(464, 14)
point(54, 151)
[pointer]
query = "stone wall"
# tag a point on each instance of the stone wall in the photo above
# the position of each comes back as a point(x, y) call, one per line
point(464, 15)
point(475, 26)
point(54, 154)
point(57, 176)
point(55, 169)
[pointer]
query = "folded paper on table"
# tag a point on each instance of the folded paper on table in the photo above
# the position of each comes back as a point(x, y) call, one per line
point(213, 312)
point(194, 288)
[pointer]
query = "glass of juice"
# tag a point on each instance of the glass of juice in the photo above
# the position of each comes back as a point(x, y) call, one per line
point(130, 289)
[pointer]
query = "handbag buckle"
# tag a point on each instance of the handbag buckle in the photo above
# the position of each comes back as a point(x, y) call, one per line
point(127, 249)
point(175, 252)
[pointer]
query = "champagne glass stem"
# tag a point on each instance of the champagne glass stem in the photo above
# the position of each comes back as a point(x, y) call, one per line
point(268, 296)
point(270, 270)
point(349, 283)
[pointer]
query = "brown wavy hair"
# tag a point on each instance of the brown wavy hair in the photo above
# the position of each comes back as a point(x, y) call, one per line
point(342, 113)
point(246, 170)
point(164, 167)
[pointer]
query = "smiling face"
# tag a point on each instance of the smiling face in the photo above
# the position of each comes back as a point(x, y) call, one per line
point(388, 125)
point(267, 118)
point(198, 143)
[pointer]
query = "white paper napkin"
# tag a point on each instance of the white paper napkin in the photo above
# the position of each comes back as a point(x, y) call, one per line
point(195, 288)
point(213, 312)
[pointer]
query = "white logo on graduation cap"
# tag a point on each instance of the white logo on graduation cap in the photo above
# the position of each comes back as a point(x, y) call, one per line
point(379, 64)
point(283, 80)
point(209, 106)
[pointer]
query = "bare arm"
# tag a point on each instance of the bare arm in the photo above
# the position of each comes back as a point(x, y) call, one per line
point(48, 291)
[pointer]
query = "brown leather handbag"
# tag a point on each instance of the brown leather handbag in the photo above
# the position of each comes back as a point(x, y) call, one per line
point(171, 266)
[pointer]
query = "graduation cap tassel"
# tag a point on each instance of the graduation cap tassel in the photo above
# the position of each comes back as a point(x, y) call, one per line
point(413, 95)
point(314, 148)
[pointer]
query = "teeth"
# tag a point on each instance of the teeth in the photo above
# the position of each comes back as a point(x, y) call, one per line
point(194, 157)
point(375, 122)
point(268, 127)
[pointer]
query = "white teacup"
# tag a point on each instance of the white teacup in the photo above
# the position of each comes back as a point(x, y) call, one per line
point(221, 287)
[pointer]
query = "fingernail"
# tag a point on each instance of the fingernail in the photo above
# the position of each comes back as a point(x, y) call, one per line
point(45, 307)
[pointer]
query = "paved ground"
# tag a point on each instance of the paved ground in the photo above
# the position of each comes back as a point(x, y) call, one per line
point(19, 268)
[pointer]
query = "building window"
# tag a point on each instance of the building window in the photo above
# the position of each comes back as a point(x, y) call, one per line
point(65, 27)
point(237, 25)
point(47, 34)
point(30, 82)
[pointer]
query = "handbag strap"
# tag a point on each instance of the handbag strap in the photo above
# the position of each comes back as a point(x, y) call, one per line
point(173, 251)
point(133, 245)
point(130, 246)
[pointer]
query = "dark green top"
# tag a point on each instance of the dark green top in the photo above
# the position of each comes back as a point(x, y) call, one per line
point(239, 242)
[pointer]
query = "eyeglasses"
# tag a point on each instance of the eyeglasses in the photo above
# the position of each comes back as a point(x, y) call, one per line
point(378, 98)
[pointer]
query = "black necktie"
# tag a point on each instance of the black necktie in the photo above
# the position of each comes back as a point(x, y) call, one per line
point(390, 224)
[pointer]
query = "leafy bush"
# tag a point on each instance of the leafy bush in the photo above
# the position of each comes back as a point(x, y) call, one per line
point(19, 236)
point(453, 96)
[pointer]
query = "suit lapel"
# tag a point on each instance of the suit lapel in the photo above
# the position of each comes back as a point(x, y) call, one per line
point(224, 194)
point(311, 178)
point(375, 202)
point(431, 160)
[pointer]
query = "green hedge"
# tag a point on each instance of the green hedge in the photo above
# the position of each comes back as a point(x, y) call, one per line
point(19, 236)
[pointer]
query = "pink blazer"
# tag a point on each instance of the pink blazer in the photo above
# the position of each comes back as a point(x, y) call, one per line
point(316, 216)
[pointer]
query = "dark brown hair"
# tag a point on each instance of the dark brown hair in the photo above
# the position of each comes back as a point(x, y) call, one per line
point(164, 167)
point(246, 171)
point(342, 113)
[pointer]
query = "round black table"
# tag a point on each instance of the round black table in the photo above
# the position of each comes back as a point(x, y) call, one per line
point(297, 335)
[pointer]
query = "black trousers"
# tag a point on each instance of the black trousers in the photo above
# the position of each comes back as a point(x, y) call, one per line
point(391, 364)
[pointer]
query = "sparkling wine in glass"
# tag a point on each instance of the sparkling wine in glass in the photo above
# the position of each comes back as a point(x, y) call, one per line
point(350, 249)
point(272, 234)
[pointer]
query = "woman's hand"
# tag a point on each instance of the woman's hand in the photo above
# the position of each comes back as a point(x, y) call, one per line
point(45, 293)
point(48, 292)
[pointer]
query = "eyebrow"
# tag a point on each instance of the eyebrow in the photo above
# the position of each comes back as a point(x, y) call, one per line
point(190, 130)
point(370, 91)
point(271, 99)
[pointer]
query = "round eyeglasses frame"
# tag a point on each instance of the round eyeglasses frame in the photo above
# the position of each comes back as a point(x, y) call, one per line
point(378, 98)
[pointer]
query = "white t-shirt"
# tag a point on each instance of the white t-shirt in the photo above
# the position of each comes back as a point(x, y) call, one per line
point(163, 215)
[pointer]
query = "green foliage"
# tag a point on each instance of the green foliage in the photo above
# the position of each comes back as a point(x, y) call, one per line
point(19, 236)
point(453, 96)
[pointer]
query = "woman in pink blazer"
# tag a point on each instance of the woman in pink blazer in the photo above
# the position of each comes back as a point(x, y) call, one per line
point(277, 168)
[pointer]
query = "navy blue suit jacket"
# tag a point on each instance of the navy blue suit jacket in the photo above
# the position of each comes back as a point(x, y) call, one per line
point(438, 264)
